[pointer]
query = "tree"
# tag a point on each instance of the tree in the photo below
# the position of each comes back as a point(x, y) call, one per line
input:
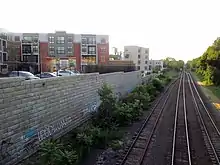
point(208, 65)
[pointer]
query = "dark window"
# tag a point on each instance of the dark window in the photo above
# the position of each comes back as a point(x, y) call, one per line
point(138, 67)
point(139, 50)
point(70, 50)
point(70, 39)
point(26, 49)
point(149, 67)
point(127, 55)
point(139, 61)
point(146, 51)
point(17, 38)
point(5, 57)
point(145, 62)
point(84, 49)
point(139, 56)
point(146, 57)
point(30, 58)
point(145, 67)
point(91, 50)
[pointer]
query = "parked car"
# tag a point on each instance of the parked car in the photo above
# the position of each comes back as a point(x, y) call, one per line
point(65, 73)
point(25, 74)
point(46, 75)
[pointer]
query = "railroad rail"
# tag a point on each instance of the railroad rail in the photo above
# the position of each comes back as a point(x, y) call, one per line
point(209, 129)
point(181, 145)
point(136, 152)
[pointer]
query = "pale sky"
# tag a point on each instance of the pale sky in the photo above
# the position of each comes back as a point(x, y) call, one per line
point(182, 29)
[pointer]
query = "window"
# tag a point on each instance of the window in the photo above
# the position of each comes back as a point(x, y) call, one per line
point(90, 40)
point(127, 55)
point(84, 41)
point(70, 39)
point(146, 51)
point(17, 38)
point(60, 40)
point(145, 67)
point(60, 50)
point(146, 57)
point(35, 49)
point(139, 61)
point(84, 50)
point(102, 58)
point(103, 41)
point(139, 56)
point(51, 39)
point(150, 67)
point(28, 38)
point(145, 62)
point(138, 67)
point(1, 57)
point(51, 50)
point(69, 50)
point(92, 50)
point(102, 50)
point(35, 38)
point(64, 64)
point(139, 50)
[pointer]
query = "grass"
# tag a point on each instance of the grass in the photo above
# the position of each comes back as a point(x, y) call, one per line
point(212, 92)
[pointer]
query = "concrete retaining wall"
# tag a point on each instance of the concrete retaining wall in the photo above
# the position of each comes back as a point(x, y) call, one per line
point(32, 111)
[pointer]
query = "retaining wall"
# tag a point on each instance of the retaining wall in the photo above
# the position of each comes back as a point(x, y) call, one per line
point(32, 111)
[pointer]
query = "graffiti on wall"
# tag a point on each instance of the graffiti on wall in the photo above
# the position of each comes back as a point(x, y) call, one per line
point(49, 130)
point(91, 107)
point(4, 148)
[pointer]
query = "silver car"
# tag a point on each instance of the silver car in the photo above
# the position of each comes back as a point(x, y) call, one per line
point(65, 73)
point(25, 74)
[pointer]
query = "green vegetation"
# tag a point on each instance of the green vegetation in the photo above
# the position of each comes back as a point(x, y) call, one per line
point(104, 128)
point(207, 66)
point(172, 64)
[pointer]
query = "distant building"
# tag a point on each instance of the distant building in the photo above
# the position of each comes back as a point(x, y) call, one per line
point(3, 52)
point(49, 51)
point(139, 55)
point(153, 64)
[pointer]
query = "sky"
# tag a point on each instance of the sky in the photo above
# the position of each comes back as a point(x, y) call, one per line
point(182, 29)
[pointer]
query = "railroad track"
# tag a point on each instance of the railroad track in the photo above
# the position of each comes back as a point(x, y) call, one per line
point(209, 129)
point(137, 150)
point(181, 145)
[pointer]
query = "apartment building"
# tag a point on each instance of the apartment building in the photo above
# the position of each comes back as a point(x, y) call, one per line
point(3, 52)
point(139, 55)
point(59, 50)
point(153, 64)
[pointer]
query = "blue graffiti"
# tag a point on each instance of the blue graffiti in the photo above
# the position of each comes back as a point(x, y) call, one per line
point(29, 134)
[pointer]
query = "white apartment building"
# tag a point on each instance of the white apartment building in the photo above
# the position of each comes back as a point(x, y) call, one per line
point(155, 63)
point(139, 55)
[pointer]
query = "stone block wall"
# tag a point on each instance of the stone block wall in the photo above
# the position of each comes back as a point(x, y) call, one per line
point(33, 111)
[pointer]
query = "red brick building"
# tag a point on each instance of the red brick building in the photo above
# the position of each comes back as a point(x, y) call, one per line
point(66, 50)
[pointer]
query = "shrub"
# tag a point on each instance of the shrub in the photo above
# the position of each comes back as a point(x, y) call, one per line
point(53, 153)
point(108, 103)
point(157, 84)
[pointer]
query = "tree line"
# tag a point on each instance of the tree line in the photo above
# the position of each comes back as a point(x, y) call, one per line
point(173, 64)
point(207, 66)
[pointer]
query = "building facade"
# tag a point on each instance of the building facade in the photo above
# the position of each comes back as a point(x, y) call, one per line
point(139, 55)
point(59, 50)
point(3, 52)
point(155, 64)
